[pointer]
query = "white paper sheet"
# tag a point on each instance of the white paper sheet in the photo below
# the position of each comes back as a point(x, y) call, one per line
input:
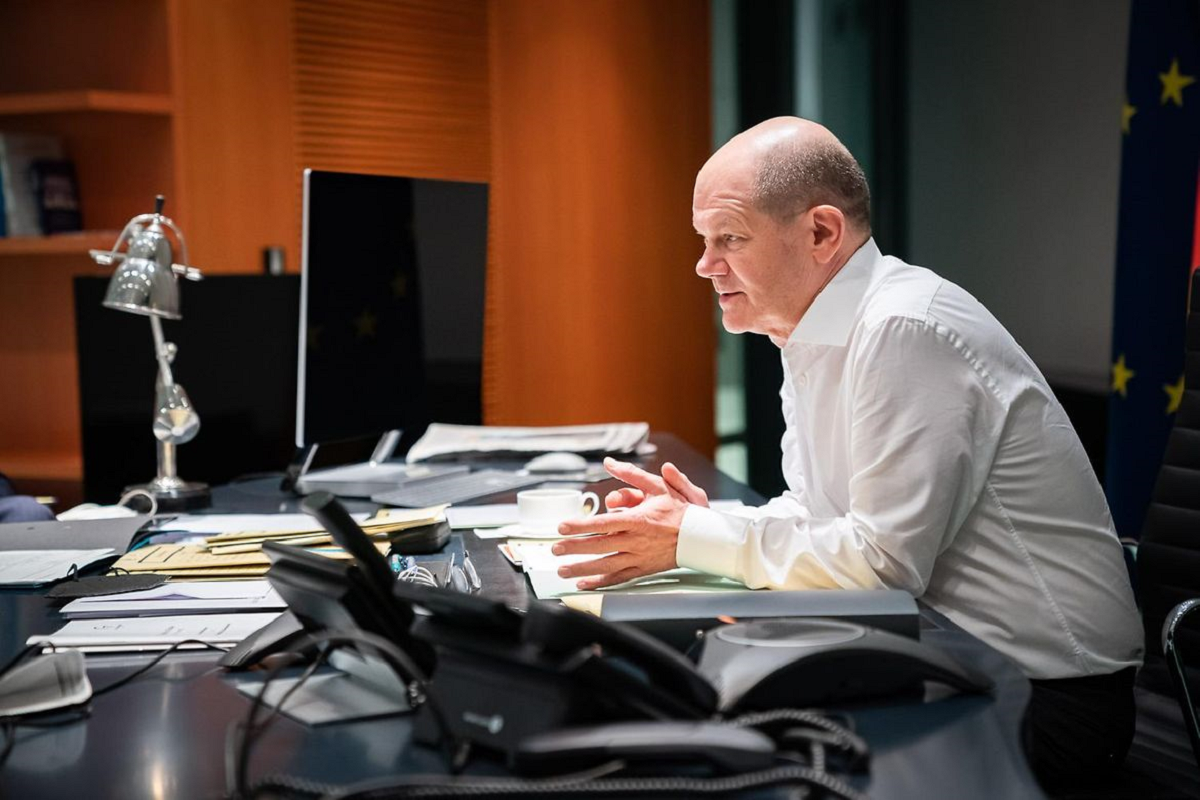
point(225, 523)
point(485, 516)
point(547, 584)
point(147, 633)
point(183, 597)
point(38, 567)
point(498, 521)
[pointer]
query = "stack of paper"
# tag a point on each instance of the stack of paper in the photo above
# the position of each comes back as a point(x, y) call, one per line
point(441, 440)
point(541, 565)
point(181, 597)
point(23, 568)
point(153, 633)
point(236, 554)
point(547, 584)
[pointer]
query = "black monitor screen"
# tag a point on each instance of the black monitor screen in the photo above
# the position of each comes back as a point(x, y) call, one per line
point(391, 319)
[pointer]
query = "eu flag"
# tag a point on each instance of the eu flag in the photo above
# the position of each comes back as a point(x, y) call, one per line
point(1160, 128)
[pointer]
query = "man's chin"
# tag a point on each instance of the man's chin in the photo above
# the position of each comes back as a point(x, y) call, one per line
point(733, 324)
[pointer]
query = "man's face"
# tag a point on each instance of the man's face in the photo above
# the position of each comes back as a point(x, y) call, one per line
point(758, 265)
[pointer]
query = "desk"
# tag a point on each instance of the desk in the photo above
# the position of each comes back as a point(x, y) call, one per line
point(163, 735)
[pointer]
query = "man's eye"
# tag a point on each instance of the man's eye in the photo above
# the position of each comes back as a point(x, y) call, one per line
point(731, 238)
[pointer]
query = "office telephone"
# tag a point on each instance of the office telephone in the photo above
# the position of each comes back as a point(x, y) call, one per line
point(513, 681)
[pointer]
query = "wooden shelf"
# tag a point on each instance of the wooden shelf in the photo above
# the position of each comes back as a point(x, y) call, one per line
point(57, 244)
point(86, 100)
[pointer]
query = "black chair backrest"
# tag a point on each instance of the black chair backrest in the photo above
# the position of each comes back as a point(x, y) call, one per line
point(1169, 552)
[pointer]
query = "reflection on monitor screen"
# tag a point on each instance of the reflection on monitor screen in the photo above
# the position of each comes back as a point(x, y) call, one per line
point(391, 309)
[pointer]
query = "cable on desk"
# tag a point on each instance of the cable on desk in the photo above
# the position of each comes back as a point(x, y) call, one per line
point(240, 737)
point(137, 673)
point(10, 739)
point(821, 731)
point(18, 658)
point(435, 786)
point(818, 733)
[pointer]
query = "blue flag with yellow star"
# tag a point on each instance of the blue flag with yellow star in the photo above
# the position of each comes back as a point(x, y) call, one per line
point(1160, 128)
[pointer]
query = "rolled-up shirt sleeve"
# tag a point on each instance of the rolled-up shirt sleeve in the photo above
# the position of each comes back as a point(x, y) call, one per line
point(924, 428)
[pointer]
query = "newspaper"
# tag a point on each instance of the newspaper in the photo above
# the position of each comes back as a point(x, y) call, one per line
point(456, 441)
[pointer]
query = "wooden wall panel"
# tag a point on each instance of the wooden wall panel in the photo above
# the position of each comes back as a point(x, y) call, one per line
point(83, 44)
point(397, 88)
point(235, 141)
point(600, 120)
point(39, 398)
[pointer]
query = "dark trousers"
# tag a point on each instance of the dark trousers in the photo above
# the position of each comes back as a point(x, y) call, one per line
point(1080, 728)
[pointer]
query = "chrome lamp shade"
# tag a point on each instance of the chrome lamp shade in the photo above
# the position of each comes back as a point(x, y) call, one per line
point(144, 286)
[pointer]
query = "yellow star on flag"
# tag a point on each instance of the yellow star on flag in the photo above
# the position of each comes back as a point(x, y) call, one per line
point(1127, 112)
point(1173, 84)
point(364, 323)
point(1121, 375)
point(1175, 394)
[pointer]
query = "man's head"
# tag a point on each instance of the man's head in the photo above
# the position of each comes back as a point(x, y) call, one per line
point(781, 207)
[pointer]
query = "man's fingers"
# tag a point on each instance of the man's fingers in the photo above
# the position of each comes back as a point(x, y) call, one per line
point(612, 579)
point(600, 523)
point(635, 476)
point(606, 543)
point(597, 566)
point(623, 498)
point(680, 483)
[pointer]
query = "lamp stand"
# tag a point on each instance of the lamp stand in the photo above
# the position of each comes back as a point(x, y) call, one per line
point(172, 492)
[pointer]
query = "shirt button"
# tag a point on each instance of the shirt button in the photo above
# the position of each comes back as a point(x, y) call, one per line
point(802, 380)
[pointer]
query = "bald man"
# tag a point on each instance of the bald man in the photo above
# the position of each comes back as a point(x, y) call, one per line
point(924, 450)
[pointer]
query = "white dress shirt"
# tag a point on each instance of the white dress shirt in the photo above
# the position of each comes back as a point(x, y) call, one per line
point(925, 451)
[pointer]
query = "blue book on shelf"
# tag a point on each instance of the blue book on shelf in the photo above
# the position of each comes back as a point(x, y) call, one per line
point(3, 207)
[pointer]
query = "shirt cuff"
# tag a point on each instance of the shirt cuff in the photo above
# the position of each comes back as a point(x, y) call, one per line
point(711, 542)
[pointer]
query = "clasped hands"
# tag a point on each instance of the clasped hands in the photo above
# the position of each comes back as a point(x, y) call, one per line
point(640, 531)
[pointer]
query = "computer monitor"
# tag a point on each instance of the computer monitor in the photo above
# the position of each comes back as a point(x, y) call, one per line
point(391, 306)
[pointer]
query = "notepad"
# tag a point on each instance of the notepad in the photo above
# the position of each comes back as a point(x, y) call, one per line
point(183, 597)
point(548, 585)
point(25, 568)
point(153, 633)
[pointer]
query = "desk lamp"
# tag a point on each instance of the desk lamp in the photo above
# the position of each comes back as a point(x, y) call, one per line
point(146, 283)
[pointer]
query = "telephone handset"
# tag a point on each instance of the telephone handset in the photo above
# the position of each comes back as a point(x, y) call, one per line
point(324, 593)
point(622, 660)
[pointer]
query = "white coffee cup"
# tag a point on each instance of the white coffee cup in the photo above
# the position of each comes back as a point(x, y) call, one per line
point(540, 510)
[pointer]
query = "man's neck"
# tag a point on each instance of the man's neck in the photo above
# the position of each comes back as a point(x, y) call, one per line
point(841, 258)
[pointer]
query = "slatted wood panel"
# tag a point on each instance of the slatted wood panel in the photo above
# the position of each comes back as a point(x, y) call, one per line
point(236, 162)
point(600, 120)
point(390, 87)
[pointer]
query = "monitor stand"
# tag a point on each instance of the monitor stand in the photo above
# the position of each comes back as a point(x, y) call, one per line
point(360, 480)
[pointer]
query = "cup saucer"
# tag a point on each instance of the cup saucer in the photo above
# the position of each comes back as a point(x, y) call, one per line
point(519, 531)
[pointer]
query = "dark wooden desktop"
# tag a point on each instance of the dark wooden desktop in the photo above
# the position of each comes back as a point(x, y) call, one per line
point(164, 734)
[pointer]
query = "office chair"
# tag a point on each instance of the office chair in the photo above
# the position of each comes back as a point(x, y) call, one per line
point(1168, 591)
point(1178, 671)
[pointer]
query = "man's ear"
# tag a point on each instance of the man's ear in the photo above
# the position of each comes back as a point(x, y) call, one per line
point(828, 232)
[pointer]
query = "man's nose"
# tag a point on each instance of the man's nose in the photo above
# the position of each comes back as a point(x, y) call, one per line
point(709, 265)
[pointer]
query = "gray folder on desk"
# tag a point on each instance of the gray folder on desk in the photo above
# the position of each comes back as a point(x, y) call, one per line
point(677, 618)
point(83, 534)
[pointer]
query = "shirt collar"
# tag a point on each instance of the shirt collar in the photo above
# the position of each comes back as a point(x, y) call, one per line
point(831, 316)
